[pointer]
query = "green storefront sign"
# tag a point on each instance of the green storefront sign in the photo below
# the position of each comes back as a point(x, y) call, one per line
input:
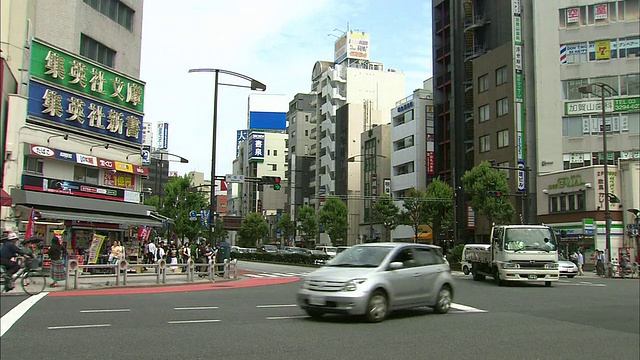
point(84, 76)
point(519, 88)
point(628, 104)
point(594, 106)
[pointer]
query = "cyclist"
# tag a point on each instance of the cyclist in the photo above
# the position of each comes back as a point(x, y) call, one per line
point(8, 251)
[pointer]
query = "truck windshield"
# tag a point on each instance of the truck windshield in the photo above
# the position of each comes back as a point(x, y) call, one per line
point(520, 239)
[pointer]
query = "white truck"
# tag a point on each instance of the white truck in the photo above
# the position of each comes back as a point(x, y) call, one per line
point(517, 253)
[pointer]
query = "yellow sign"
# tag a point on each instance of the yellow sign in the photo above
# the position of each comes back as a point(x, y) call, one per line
point(603, 50)
point(124, 167)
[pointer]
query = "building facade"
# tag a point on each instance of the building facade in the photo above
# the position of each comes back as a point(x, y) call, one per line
point(74, 124)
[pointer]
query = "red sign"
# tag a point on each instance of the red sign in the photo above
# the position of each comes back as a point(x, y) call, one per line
point(140, 170)
point(431, 162)
point(573, 15)
point(601, 11)
point(106, 164)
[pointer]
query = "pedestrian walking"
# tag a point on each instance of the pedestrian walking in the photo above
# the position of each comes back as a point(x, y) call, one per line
point(57, 254)
point(600, 262)
point(151, 252)
point(186, 253)
point(580, 263)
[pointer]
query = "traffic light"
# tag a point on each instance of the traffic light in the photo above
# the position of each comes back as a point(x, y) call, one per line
point(272, 180)
point(496, 194)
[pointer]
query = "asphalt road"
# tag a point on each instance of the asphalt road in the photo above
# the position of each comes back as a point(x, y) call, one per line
point(580, 318)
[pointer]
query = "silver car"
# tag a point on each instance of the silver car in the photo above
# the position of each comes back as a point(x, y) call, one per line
point(374, 279)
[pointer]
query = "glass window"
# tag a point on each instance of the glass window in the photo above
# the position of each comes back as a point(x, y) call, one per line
point(599, 14)
point(92, 176)
point(425, 257)
point(620, 10)
point(562, 14)
point(575, 16)
point(609, 80)
point(580, 201)
point(33, 164)
point(96, 51)
point(577, 53)
point(570, 89)
point(502, 106)
point(572, 202)
point(501, 75)
point(563, 203)
point(484, 143)
point(553, 204)
point(632, 9)
point(114, 10)
point(503, 138)
point(630, 84)
point(629, 47)
point(483, 83)
point(484, 113)
point(573, 126)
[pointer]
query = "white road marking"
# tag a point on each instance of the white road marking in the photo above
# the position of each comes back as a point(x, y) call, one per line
point(283, 275)
point(466, 308)
point(276, 306)
point(253, 275)
point(10, 318)
point(196, 308)
point(104, 311)
point(77, 326)
point(269, 275)
point(286, 317)
point(192, 321)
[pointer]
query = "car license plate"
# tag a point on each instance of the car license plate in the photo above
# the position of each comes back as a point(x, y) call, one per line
point(317, 300)
point(533, 277)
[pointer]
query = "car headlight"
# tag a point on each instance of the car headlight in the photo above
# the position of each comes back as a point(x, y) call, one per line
point(551, 266)
point(352, 285)
point(510, 265)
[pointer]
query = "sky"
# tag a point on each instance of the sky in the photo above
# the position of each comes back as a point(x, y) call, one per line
point(276, 42)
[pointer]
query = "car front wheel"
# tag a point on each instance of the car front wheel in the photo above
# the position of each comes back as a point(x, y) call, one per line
point(378, 307)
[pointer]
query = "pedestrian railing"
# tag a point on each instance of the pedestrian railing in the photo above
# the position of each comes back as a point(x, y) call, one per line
point(120, 271)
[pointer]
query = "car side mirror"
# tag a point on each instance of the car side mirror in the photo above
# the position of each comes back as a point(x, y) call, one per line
point(396, 265)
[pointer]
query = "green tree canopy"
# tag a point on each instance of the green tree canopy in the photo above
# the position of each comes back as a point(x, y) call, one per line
point(439, 206)
point(286, 226)
point(176, 203)
point(307, 223)
point(481, 179)
point(414, 213)
point(334, 217)
point(254, 228)
point(387, 212)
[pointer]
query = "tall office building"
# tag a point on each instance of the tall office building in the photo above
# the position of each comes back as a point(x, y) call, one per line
point(483, 106)
point(354, 95)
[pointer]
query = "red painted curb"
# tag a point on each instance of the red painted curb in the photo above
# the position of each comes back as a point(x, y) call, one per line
point(177, 288)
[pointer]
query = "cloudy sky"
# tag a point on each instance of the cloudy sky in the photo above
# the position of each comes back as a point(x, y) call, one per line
point(275, 42)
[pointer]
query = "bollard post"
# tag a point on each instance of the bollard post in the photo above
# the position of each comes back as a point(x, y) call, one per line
point(67, 278)
point(235, 268)
point(211, 270)
point(162, 266)
point(226, 268)
point(191, 267)
point(72, 265)
point(124, 264)
point(157, 267)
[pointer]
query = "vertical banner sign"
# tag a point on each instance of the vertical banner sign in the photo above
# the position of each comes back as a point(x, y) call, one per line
point(30, 225)
point(94, 249)
point(518, 66)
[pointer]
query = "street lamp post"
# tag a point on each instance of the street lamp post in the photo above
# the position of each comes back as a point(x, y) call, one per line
point(604, 90)
point(373, 176)
point(255, 85)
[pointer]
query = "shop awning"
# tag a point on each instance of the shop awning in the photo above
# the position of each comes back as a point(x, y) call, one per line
point(99, 218)
point(160, 218)
point(5, 198)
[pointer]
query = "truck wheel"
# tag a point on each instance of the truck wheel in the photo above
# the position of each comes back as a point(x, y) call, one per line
point(476, 276)
point(496, 277)
point(465, 270)
point(547, 283)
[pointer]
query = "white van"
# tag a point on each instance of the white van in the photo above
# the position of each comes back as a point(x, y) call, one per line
point(466, 265)
point(329, 250)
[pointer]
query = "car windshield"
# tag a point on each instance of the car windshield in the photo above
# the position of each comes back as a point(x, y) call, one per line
point(361, 256)
point(270, 248)
point(521, 239)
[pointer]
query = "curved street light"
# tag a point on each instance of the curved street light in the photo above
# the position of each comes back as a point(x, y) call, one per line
point(254, 85)
point(604, 91)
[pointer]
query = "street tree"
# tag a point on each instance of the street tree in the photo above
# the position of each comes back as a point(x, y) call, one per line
point(254, 229)
point(177, 202)
point(308, 223)
point(477, 182)
point(439, 206)
point(334, 218)
point(414, 213)
point(286, 226)
point(387, 213)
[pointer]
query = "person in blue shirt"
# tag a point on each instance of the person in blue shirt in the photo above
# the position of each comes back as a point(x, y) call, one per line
point(8, 251)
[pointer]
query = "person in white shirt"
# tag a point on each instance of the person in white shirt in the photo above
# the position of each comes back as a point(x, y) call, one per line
point(580, 263)
point(151, 252)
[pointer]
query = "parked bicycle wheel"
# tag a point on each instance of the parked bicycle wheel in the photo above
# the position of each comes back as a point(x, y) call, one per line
point(33, 282)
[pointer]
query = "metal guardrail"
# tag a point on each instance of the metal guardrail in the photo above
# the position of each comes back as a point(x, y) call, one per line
point(227, 269)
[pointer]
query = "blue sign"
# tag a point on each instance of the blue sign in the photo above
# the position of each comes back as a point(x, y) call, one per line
point(203, 217)
point(193, 214)
point(65, 108)
point(256, 147)
point(405, 106)
point(146, 157)
point(64, 155)
point(260, 120)
point(522, 186)
point(241, 136)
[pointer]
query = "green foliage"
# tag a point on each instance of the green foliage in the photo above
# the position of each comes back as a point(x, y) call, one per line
point(414, 213)
point(334, 217)
point(253, 229)
point(286, 226)
point(176, 204)
point(219, 233)
point(481, 179)
point(439, 206)
point(387, 213)
point(456, 254)
point(308, 224)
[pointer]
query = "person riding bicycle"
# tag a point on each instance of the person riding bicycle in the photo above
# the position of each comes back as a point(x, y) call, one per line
point(8, 251)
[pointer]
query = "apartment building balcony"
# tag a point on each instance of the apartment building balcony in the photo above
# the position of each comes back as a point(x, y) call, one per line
point(334, 75)
point(475, 22)
point(328, 108)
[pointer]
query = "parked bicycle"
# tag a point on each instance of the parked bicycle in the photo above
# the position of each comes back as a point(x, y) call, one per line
point(32, 279)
